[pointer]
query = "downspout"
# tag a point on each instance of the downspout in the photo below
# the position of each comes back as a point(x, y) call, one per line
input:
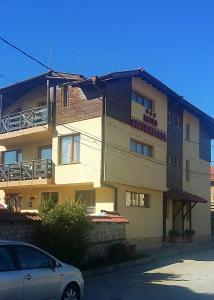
point(103, 152)
point(95, 81)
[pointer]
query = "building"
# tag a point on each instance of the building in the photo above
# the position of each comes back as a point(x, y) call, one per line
point(123, 141)
point(212, 186)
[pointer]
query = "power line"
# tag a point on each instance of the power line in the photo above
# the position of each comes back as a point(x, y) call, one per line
point(31, 57)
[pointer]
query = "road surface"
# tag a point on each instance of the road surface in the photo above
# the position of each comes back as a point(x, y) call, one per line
point(185, 277)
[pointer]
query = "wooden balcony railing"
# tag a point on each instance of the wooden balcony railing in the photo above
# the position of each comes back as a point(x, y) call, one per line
point(26, 170)
point(25, 119)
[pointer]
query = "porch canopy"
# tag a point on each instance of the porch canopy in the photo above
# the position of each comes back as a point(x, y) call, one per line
point(184, 196)
point(179, 212)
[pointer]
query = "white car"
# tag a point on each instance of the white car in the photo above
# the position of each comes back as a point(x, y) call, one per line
point(29, 273)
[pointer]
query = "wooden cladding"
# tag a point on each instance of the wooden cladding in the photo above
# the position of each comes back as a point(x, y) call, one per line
point(80, 104)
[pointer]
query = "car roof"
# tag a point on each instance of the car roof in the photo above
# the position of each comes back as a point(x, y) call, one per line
point(6, 242)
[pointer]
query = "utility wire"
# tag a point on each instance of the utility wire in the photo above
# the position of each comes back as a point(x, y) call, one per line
point(60, 75)
point(31, 57)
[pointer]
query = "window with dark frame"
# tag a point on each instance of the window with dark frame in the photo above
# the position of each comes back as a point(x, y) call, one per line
point(148, 103)
point(187, 170)
point(64, 96)
point(54, 196)
point(137, 199)
point(42, 103)
point(177, 122)
point(69, 149)
point(12, 156)
point(87, 197)
point(169, 117)
point(188, 131)
point(140, 148)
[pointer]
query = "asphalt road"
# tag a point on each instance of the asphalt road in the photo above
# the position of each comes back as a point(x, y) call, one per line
point(183, 277)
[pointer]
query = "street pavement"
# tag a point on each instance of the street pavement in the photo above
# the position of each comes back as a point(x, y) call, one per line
point(184, 277)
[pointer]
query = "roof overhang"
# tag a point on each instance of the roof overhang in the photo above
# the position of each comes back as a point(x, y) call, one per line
point(172, 96)
point(13, 92)
point(176, 195)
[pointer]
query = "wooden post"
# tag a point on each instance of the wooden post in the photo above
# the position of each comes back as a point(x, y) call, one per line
point(164, 217)
point(173, 215)
point(183, 217)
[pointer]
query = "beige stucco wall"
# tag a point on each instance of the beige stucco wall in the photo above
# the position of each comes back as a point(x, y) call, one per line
point(160, 102)
point(104, 197)
point(144, 222)
point(199, 183)
point(88, 170)
point(125, 167)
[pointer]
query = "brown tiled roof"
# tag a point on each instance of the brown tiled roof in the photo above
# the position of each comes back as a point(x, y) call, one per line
point(182, 195)
point(108, 217)
point(19, 217)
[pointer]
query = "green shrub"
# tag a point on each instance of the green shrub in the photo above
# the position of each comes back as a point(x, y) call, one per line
point(64, 230)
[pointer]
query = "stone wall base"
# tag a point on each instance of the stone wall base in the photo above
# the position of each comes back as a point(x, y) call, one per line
point(145, 243)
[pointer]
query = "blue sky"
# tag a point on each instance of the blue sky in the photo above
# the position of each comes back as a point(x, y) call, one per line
point(172, 39)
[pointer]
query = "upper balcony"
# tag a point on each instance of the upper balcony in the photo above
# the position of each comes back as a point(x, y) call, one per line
point(35, 172)
point(16, 127)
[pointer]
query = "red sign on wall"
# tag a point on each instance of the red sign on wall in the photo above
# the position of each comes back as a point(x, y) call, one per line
point(148, 129)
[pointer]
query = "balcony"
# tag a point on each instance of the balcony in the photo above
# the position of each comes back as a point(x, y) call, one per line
point(32, 121)
point(36, 172)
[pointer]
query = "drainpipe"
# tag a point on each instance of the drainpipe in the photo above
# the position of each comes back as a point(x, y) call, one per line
point(103, 145)
point(103, 157)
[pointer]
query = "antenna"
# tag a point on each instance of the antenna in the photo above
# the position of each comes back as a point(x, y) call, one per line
point(114, 61)
point(50, 56)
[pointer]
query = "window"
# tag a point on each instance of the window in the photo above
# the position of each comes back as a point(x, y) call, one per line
point(10, 157)
point(140, 148)
point(169, 159)
point(137, 199)
point(142, 100)
point(177, 122)
point(45, 152)
point(42, 103)
point(31, 258)
point(69, 149)
point(64, 96)
point(50, 195)
point(6, 261)
point(169, 117)
point(187, 170)
point(187, 131)
point(174, 160)
point(86, 197)
point(17, 110)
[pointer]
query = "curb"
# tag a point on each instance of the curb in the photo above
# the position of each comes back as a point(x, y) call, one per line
point(145, 260)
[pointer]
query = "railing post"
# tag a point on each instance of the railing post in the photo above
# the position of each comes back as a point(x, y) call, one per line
point(46, 171)
point(20, 171)
point(8, 172)
point(20, 120)
point(33, 169)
